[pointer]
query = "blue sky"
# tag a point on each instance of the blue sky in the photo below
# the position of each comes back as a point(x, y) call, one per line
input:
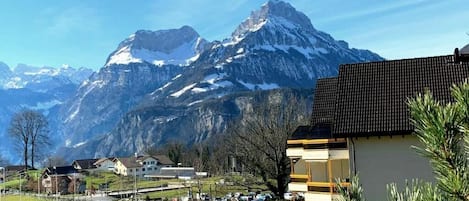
point(85, 32)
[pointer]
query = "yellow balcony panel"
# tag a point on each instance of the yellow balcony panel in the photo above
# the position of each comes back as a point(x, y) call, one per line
point(316, 141)
point(326, 184)
point(299, 176)
point(324, 187)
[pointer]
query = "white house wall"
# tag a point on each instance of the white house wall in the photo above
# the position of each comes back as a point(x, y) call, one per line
point(106, 165)
point(295, 152)
point(320, 196)
point(298, 187)
point(380, 161)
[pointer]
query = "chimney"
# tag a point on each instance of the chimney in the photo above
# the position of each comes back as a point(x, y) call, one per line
point(461, 55)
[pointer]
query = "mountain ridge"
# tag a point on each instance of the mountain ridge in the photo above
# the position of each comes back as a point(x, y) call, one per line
point(276, 47)
point(170, 46)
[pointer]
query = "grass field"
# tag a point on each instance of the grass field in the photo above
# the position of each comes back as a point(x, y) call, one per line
point(23, 198)
point(205, 185)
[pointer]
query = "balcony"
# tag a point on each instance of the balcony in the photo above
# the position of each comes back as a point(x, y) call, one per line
point(322, 191)
point(298, 183)
point(324, 187)
point(318, 149)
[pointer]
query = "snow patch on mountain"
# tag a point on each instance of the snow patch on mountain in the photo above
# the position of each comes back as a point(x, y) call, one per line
point(173, 46)
point(212, 78)
point(79, 144)
point(263, 86)
point(213, 86)
point(308, 52)
point(182, 55)
point(195, 102)
point(183, 90)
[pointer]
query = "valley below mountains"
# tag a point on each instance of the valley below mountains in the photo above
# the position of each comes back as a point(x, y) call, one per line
point(174, 85)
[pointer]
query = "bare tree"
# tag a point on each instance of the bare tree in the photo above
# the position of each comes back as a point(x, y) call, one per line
point(199, 155)
point(3, 161)
point(175, 151)
point(152, 151)
point(259, 139)
point(29, 129)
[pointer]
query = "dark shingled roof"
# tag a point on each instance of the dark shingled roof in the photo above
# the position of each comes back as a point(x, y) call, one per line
point(12, 168)
point(371, 97)
point(324, 101)
point(62, 170)
point(310, 132)
point(130, 162)
point(164, 160)
point(86, 163)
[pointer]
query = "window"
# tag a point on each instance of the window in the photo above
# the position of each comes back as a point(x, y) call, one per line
point(150, 169)
point(144, 163)
point(136, 169)
point(130, 170)
point(143, 169)
point(153, 162)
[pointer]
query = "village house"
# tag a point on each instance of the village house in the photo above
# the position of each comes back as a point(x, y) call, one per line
point(105, 164)
point(85, 165)
point(361, 125)
point(16, 169)
point(62, 180)
point(185, 173)
point(141, 165)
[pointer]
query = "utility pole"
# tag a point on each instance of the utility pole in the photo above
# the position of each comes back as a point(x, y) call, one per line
point(20, 189)
point(3, 181)
point(135, 178)
point(74, 186)
point(56, 186)
point(38, 187)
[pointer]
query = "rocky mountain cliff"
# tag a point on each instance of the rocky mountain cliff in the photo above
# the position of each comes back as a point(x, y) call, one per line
point(143, 62)
point(173, 85)
point(39, 88)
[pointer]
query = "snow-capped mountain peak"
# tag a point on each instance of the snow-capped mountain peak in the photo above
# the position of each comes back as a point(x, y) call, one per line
point(172, 46)
point(274, 13)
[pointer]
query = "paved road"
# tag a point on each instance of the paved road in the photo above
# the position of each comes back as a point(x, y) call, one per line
point(146, 190)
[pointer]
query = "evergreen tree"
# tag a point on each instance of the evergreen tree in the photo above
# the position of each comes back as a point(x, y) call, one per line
point(443, 130)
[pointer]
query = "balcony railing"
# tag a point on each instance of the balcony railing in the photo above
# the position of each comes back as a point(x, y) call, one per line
point(318, 144)
point(303, 178)
point(325, 186)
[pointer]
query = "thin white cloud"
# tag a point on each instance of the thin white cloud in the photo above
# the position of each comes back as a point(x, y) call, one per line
point(368, 10)
point(75, 19)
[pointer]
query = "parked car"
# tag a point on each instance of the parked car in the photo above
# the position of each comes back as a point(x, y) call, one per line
point(288, 196)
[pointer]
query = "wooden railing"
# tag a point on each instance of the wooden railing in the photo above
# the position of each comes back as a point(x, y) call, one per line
point(303, 178)
point(325, 186)
point(318, 143)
